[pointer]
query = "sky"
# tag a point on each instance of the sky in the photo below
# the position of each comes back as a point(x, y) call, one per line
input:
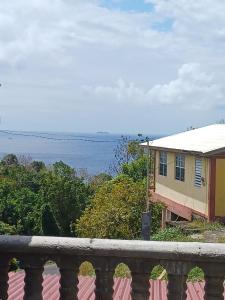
point(122, 66)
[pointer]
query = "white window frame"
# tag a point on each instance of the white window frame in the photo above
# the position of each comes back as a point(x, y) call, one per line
point(180, 167)
point(198, 172)
point(163, 163)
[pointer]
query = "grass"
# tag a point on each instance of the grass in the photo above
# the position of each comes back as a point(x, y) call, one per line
point(174, 234)
point(202, 225)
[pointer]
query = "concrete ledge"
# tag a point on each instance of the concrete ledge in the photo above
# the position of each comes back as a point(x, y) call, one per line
point(22, 245)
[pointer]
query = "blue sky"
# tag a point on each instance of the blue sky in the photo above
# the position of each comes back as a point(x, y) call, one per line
point(128, 5)
point(153, 66)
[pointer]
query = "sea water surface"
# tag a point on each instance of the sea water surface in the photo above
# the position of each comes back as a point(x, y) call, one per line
point(92, 152)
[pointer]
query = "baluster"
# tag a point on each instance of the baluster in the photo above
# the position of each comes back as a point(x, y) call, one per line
point(214, 278)
point(177, 275)
point(69, 270)
point(140, 284)
point(33, 267)
point(104, 269)
point(4, 269)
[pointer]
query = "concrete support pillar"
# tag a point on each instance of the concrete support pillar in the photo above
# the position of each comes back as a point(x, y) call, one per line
point(33, 267)
point(214, 281)
point(4, 268)
point(68, 279)
point(104, 269)
point(140, 284)
point(177, 275)
point(177, 287)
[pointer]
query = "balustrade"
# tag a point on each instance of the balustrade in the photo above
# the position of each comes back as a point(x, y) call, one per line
point(105, 255)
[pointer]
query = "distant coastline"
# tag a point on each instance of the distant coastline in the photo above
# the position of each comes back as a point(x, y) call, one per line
point(92, 152)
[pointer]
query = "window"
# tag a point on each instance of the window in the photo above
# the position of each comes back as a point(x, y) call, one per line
point(198, 172)
point(163, 163)
point(180, 167)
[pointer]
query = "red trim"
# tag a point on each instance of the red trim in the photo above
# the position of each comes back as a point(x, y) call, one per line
point(178, 209)
point(154, 168)
point(212, 188)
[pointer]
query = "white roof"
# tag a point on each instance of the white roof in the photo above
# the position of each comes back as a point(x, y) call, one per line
point(203, 140)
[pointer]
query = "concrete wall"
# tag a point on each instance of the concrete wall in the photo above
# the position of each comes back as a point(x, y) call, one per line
point(184, 193)
point(220, 188)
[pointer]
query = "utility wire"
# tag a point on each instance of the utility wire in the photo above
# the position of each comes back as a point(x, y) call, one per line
point(76, 138)
point(57, 139)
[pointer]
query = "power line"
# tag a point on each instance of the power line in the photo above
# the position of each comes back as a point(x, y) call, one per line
point(57, 139)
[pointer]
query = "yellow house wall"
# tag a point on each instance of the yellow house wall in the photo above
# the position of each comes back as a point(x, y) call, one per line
point(220, 188)
point(185, 193)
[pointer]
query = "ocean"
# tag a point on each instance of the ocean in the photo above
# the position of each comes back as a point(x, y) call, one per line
point(83, 151)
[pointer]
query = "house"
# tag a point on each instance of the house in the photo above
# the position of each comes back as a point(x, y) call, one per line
point(189, 173)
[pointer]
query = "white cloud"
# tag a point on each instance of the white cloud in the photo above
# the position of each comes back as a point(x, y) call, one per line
point(51, 49)
point(193, 88)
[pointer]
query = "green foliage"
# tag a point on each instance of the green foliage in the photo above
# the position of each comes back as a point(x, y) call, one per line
point(156, 213)
point(97, 181)
point(126, 151)
point(7, 229)
point(157, 271)
point(123, 271)
point(37, 165)
point(86, 269)
point(32, 197)
point(10, 159)
point(134, 149)
point(203, 225)
point(136, 169)
point(48, 222)
point(66, 194)
point(196, 274)
point(14, 265)
point(114, 211)
point(170, 234)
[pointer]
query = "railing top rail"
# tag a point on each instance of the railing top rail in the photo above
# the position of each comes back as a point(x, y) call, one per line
point(116, 248)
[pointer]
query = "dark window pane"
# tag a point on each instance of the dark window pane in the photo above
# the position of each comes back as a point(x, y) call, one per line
point(165, 170)
point(182, 174)
point(177, 173)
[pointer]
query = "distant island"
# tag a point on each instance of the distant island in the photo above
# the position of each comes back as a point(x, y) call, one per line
point(102, 132)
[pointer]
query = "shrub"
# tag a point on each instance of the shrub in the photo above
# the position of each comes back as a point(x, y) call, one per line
point(123, 271)
point(115, 211)
point(170, 234)
point(196, 274)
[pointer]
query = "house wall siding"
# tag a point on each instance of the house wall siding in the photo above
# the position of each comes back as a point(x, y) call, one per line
point(220, 188)
point(184, 193)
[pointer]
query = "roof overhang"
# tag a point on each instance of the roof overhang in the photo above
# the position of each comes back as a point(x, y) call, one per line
point(220, 151)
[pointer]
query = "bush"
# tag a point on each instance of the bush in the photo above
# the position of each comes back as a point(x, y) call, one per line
point(86, 269)
point(170, 234)
point(7, 229)
point(156, 272)
point(123, 271)
point(156, 213)
point(115, 211)
point(196, 274)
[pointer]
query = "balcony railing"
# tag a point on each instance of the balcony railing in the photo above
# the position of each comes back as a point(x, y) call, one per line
point(141, 256)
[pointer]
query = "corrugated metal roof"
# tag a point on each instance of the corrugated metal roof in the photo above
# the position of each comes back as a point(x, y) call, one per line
point(202, 140)
point(158, 288)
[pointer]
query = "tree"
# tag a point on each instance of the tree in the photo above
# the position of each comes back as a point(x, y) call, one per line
point(66, 194)
point(137, 169)
point(125, 152)
point(115, 211)
point(7, 229)
point(97, 181)
point(37, 165)
point(48, 222)
point(10, 159)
